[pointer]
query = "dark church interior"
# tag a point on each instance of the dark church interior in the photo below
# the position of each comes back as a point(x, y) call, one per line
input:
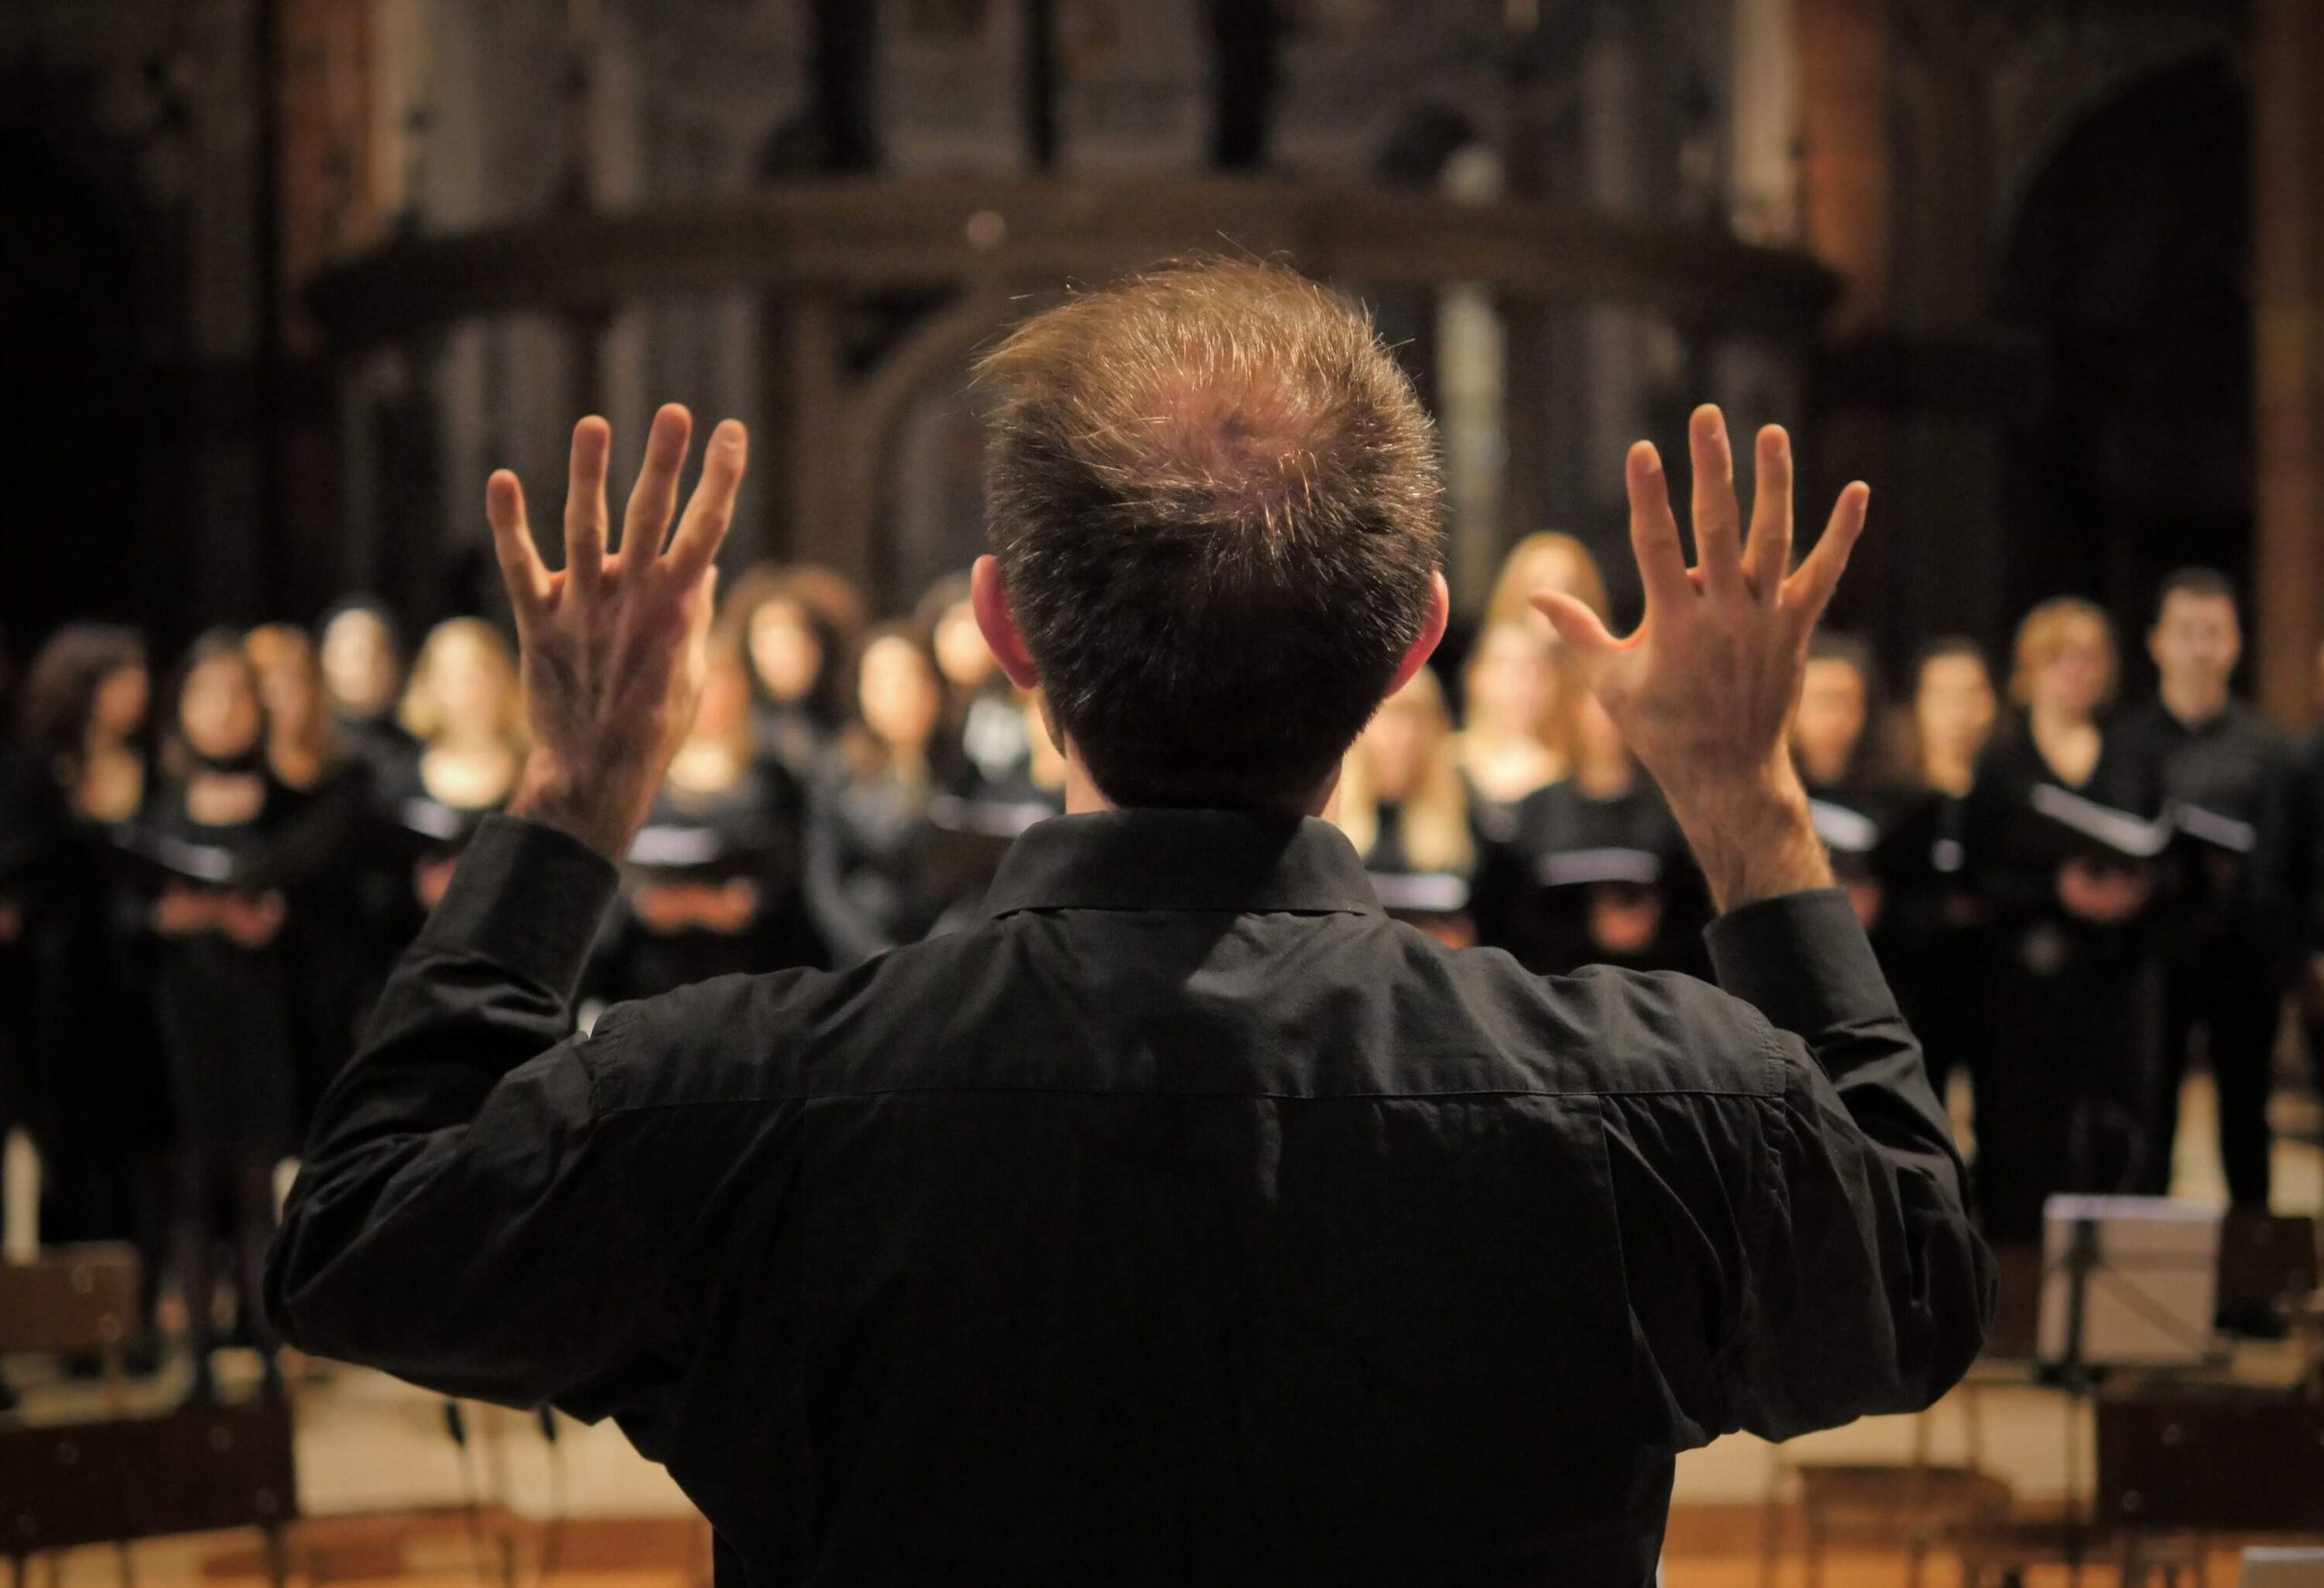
point(284, 280)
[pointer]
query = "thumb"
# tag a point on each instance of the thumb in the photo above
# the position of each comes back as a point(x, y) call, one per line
point(1576, 623)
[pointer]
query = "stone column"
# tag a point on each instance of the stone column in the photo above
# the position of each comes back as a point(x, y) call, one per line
point(2287, 336)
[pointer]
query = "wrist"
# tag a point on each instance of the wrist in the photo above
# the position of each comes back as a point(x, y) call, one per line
point(1751, 833)
point(590, 811)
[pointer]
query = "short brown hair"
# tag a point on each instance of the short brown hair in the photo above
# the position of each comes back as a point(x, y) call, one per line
point(1217, 504)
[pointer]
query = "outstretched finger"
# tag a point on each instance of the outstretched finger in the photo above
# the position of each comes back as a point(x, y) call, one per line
point(1654, 533)
point(585, 502)
point(711, 511)
point(654, 500)
point(1767, 557)
point(1807, 592)
point(512, 538)
point(1719, 519)
point(1583, 631)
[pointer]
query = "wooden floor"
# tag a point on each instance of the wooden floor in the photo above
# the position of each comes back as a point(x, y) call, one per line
point(394, 1499)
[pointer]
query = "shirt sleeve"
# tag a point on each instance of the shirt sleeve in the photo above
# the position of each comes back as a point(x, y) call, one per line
point(1865, 1289)
point(465, 1217)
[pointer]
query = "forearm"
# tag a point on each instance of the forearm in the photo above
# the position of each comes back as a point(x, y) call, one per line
point(1751, 834)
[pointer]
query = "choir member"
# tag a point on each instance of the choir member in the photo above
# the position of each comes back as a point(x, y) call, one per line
point(972, 824)
point(464, 708)
point(343, 886)
point(713, 882)
point(1931, 938)
point(2307, 880)
point(1401, 803)
point(1545, 561)
point(101, 1096)
point(2064, 838)
point(1509, 687)
point(868, 886)
point(213, 833)
point(1853, 803)
point(28, 834)
point(2225, 928)
point(363, 669)
point(789, 628)
point(984, 727)
point(1595, 870)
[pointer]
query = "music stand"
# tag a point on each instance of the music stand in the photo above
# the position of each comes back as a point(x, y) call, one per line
point(2126, 1282)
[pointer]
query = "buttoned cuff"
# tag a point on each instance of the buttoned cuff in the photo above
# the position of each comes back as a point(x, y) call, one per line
point(527, 898)
point(1803, 961)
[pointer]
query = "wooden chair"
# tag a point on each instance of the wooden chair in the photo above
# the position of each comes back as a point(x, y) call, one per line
point(1998, 1553)
point(1915, 1506)
point(1912, 1504)
point(116, 1479)
point(198, 1469)
point(72, 1299)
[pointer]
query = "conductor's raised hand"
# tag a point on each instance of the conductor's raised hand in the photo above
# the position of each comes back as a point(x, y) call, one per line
point(614, 644)
point(1705, 689)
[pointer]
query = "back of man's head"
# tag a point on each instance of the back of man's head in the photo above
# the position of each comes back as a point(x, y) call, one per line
point(1216, 506)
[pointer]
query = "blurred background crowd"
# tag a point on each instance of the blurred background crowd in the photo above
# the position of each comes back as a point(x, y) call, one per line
point(213, 859)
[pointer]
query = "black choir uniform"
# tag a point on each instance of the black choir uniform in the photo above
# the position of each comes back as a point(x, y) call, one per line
point(384, 745)
point(1577, 876)
point(102, 1113)
point(870, 885)
point(1858, 818)
point(31, 828)
point(229, 1020)
point(2228, 944)
point(749, 833)
point(227, 1023)
point(790, 735)
point(1932, 936)
point(2074, 1003)
point(1440, 902)
point(2305, 892)
point(345, 887)
point(1184, 1220)
point(425, 830)
point(985, 797)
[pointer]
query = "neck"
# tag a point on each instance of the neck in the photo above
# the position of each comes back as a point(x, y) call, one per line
point(1082, 794)
point(1827, 767)
point(1948, 771)
point(1605, 777)
point(463, 740)
point(2048, 722)
point(2193, 701)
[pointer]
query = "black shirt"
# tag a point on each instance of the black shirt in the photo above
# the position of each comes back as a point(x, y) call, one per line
point(1188, 1220)
point(2229, 784)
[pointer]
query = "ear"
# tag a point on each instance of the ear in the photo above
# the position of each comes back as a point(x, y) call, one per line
point(1432, 632)
point(2154, 644)
point(988, 599)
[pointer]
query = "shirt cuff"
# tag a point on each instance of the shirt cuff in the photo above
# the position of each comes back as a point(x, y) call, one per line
point(527, 898)
point(1803, 961)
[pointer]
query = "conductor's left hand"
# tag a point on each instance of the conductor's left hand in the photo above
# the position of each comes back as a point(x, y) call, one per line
point(614, 644)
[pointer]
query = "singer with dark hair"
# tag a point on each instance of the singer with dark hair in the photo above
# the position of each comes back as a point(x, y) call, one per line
point(1186, 1218)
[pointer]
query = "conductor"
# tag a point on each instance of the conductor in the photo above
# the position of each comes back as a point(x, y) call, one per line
point(1187, 1219)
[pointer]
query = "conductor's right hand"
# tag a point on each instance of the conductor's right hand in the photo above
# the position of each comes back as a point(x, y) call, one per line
point(613, 644)
point(1704, 690)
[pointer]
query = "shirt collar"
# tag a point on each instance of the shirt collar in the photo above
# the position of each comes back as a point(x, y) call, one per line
point(1226, 860)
